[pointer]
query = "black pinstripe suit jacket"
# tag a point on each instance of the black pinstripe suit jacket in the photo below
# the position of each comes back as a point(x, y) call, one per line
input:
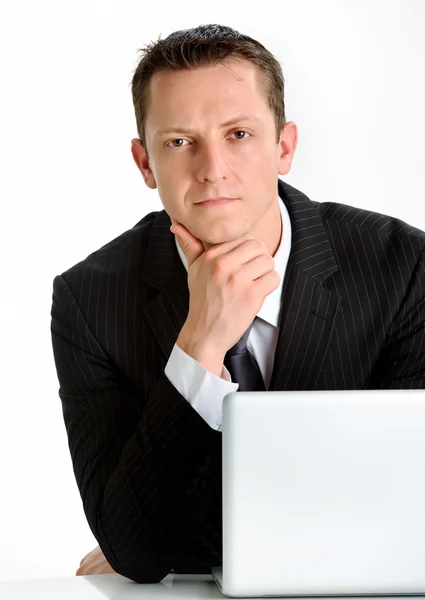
point(147, 465)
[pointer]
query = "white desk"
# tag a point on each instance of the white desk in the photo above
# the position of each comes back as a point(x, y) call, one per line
point(115, 587)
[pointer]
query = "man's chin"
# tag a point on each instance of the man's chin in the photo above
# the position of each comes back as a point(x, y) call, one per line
point(210, 241)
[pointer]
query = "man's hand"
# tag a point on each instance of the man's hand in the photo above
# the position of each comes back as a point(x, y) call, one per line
point(228, 284)
point(94, 563)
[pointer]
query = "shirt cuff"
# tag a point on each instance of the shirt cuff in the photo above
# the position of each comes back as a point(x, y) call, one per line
point(201, 388)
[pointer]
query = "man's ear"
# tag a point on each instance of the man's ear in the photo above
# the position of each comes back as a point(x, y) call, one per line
point(286, 147)
point(142, 161)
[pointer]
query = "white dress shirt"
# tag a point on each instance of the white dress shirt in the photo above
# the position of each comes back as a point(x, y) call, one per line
point(205, 390)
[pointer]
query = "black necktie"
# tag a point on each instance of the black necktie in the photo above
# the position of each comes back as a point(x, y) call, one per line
point(243, 367)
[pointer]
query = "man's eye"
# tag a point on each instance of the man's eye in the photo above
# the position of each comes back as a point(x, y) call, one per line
point(241, 131)
point(177, 140)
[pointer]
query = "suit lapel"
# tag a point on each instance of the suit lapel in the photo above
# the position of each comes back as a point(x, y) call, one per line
point(308, 309)
point(164, 271)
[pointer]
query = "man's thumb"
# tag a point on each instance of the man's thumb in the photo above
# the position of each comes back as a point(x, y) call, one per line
point(191, 246)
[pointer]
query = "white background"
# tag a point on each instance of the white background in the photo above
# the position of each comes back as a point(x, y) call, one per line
point(355, 86)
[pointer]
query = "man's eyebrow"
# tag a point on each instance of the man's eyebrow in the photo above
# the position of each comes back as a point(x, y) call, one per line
point(232, 121)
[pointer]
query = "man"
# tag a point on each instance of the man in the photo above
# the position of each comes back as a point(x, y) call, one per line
point(262, 289)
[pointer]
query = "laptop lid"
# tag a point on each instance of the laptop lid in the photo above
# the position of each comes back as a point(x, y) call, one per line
point(324, 493)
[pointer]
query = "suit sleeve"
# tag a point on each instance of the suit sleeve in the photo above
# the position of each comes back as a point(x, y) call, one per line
point(142, 480)
point(402, 364)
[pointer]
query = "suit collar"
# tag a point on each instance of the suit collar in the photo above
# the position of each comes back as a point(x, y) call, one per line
point(163, 266)
point(311, 250)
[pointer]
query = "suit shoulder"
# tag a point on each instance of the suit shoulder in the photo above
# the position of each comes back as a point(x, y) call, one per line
point(124, 252)
point(376, 223)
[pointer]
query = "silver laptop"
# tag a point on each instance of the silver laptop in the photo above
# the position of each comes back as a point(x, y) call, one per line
point(323, 493)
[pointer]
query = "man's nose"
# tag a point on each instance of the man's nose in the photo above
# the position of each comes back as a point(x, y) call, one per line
point(210, 162)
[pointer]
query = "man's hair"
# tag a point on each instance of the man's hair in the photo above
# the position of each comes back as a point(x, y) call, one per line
point(206, 45)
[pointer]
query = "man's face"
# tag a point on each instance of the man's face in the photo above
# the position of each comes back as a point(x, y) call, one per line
point(195, 154)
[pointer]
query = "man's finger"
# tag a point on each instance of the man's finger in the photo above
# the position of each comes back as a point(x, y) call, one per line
point(191, 246)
